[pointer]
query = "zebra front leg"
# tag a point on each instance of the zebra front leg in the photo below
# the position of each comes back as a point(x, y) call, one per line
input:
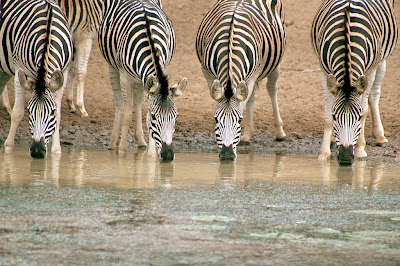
point(55, 139)
point(126, 115)
point(83, 48)
point(248, 131)
point(17, 114)
point(359, 150)
point(272, 89)
point(138, 100)
point(115, 84)
point(325, 150)
point(373, 100)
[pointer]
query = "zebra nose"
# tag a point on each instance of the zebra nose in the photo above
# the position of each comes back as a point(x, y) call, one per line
point(227, 153)
point(345, 155)
point(167, 152)
point(38, 149)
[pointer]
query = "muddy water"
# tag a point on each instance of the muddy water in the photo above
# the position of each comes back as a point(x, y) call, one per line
point(95, 207)
point(137, 170)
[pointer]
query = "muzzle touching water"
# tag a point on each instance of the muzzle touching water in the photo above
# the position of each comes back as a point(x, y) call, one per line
point(167, 153)
point(38, 149)
point(345, 155)
point(227, 153)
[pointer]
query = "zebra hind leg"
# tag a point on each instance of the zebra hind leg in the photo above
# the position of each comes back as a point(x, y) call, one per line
point(83, 48)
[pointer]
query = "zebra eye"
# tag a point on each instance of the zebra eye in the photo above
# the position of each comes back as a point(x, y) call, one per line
point(240, 120)
point(153, 116)
point(334, 117)
point(53, 112)
point(216, 120)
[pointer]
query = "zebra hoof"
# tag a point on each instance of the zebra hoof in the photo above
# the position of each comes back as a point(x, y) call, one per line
point(280, 139)
point(382, 145)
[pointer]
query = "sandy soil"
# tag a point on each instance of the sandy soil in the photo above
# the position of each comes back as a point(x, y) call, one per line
point(300, 94)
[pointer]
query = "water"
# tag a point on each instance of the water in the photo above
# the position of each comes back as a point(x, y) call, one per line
point(88, 207)
point(190, 169)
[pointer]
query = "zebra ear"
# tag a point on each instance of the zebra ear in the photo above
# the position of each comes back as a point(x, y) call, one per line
point(151, 85)
point(178, 89)
point(332, 84)
point(56, 81)
point(26, 83)
point(241, 91)
point(216, 90)
point(361, 84)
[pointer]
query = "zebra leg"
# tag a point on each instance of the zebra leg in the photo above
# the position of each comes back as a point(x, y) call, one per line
point(55, 139)
point(248, 131)
point(325, 150)
point(138, 100)
point(126, 115)
point(70, 85)
point(4, 78)
point(17, 114)
point(374, 78)
point(272, 89)
point(115, 83)
point(83, 48)
point(373, 100)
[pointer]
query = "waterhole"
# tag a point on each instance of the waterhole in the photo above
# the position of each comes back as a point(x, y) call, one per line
point(190, 169)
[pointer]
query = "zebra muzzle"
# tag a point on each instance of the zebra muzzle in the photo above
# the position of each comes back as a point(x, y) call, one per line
point(227, 153)
point(167, 153)
point(38, 149)
point(345, 155)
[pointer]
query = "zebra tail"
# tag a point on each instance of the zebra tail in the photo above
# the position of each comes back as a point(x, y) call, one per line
point(162, 78)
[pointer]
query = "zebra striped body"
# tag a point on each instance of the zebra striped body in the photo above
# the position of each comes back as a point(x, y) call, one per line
point(238, 44)
point(352, 40)
point(36, 47)
point(84, 19)
point(137, 40)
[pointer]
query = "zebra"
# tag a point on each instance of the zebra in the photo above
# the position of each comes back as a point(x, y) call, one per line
point(84, 18)
point(138, 41)
point(238, 44)
point(36, 47)
point(352, 40)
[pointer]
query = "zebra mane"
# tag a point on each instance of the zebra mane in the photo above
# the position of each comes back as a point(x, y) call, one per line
point(347, 88)
point(41, 74)
point(228, 90)
point(162, 78)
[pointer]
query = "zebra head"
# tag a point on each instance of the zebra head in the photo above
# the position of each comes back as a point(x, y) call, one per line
point(162, 115)
point(228, 116)
point(347, 112)
point(42, 110)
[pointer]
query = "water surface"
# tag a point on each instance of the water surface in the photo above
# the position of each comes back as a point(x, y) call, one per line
point(191, 169)
point(88, 207)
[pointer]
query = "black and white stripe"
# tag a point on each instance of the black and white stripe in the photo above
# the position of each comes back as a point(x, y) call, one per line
point(352, 39)
point(36, 46)
point(138, 41)
point(84, 18)
point(239, 43)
